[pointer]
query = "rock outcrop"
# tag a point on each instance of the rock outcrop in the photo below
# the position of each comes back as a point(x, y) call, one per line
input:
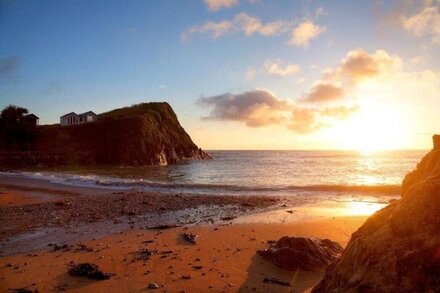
point(398, 248)
point(293, 253)
point(144, 134)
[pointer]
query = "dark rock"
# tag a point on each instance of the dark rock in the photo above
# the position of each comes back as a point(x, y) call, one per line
point(64, 247)
point(23, 290)
point(88, 270)
point(163, 227)
point(292, 253)
point(190, 237)
point(144, 254)
point(398, 248)
point(197, 267)
point(276, 281)
point(153, 286)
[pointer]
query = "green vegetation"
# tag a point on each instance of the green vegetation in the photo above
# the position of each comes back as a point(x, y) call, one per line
point(15, 133)
point(153, 109)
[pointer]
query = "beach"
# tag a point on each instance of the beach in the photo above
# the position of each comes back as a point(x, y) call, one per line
point(47, 227)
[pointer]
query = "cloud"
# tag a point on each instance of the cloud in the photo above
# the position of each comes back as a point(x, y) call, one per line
point(254, 108)
point(305, 32)
point(214, 29)
point(323, 92)
point(215, 5)
point(260, 108)
point(274, 68)
point(242, 23)
point(250, 73)
point(54, 87)
point(251, 25)
point(359, 65)
point(8, 66)
point(304, 121)
point(424, 23)
point(341, 112)
point(309, 120)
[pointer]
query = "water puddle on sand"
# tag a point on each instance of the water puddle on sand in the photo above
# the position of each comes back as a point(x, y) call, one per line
point(316, 211)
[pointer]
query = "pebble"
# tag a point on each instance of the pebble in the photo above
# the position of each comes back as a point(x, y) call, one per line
point(153, 286)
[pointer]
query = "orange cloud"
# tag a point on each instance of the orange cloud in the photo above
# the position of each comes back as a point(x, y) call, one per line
point(359, 65)
point(323, 92)
point(305, 32)
point(260, 108)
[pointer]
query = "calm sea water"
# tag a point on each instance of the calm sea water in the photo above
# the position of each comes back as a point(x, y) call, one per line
point(329, 174)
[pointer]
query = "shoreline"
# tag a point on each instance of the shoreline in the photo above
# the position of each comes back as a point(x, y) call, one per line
point(45, 226)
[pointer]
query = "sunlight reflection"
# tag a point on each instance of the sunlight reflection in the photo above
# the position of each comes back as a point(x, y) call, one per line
point(358, 208)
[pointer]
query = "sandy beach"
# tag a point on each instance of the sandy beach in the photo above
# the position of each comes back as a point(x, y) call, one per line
point(46, 228)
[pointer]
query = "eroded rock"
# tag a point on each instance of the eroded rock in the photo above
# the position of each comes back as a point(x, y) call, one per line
point(88, 270)
point(398, 248)
point(292, 253)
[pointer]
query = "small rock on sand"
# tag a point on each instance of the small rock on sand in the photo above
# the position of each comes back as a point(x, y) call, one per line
point(153, 286)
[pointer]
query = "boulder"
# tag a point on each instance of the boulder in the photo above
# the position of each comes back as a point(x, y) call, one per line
point(398, 248)
point(292, 253)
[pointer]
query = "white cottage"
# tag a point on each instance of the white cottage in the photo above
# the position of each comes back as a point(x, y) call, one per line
point(75, 119)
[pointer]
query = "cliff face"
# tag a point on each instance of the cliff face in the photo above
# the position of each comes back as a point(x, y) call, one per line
point(398, 248)
point(144, 134)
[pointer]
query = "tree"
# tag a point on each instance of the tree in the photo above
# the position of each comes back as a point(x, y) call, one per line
point(15, 135)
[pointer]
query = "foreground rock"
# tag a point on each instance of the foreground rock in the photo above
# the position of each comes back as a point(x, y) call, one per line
point(88, 270)
point(398, 248)
point(293, 253)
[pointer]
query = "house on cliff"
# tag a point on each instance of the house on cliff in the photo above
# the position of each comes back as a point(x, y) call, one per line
point(30, 119)
point(75, 119)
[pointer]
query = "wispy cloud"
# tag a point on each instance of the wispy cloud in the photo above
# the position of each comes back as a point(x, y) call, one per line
point(424, 23)
point(302, 32)
point(215, 5)
point(251, 25)
point(305, 32)
point(241, 23)
point(213, 29)
point(273, 67)
point(8, 67)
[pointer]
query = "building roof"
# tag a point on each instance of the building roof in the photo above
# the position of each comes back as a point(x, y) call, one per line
point(69, 114)
point(88, 112)
point(31, 116)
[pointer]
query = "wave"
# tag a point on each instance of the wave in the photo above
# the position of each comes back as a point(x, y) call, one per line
point(109, 182)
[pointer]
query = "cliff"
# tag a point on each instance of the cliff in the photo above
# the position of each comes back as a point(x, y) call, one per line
point(144, 134)
point(398, 248)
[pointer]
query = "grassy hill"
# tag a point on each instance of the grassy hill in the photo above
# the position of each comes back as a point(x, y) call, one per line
point(143, 134)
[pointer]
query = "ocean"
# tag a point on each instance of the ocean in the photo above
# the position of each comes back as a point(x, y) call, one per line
point(312, 175)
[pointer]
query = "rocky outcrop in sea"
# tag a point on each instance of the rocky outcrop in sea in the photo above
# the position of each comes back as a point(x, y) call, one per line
point(143, 134)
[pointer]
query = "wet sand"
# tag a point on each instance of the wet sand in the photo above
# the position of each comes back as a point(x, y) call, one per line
point(230, 230)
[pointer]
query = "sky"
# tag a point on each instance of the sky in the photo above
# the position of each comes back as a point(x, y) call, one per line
point(240, 74)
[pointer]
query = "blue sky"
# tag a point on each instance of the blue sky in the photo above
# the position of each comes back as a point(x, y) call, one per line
point(61, 56)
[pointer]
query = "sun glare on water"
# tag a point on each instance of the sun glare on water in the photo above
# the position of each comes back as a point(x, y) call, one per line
point(358, 208)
